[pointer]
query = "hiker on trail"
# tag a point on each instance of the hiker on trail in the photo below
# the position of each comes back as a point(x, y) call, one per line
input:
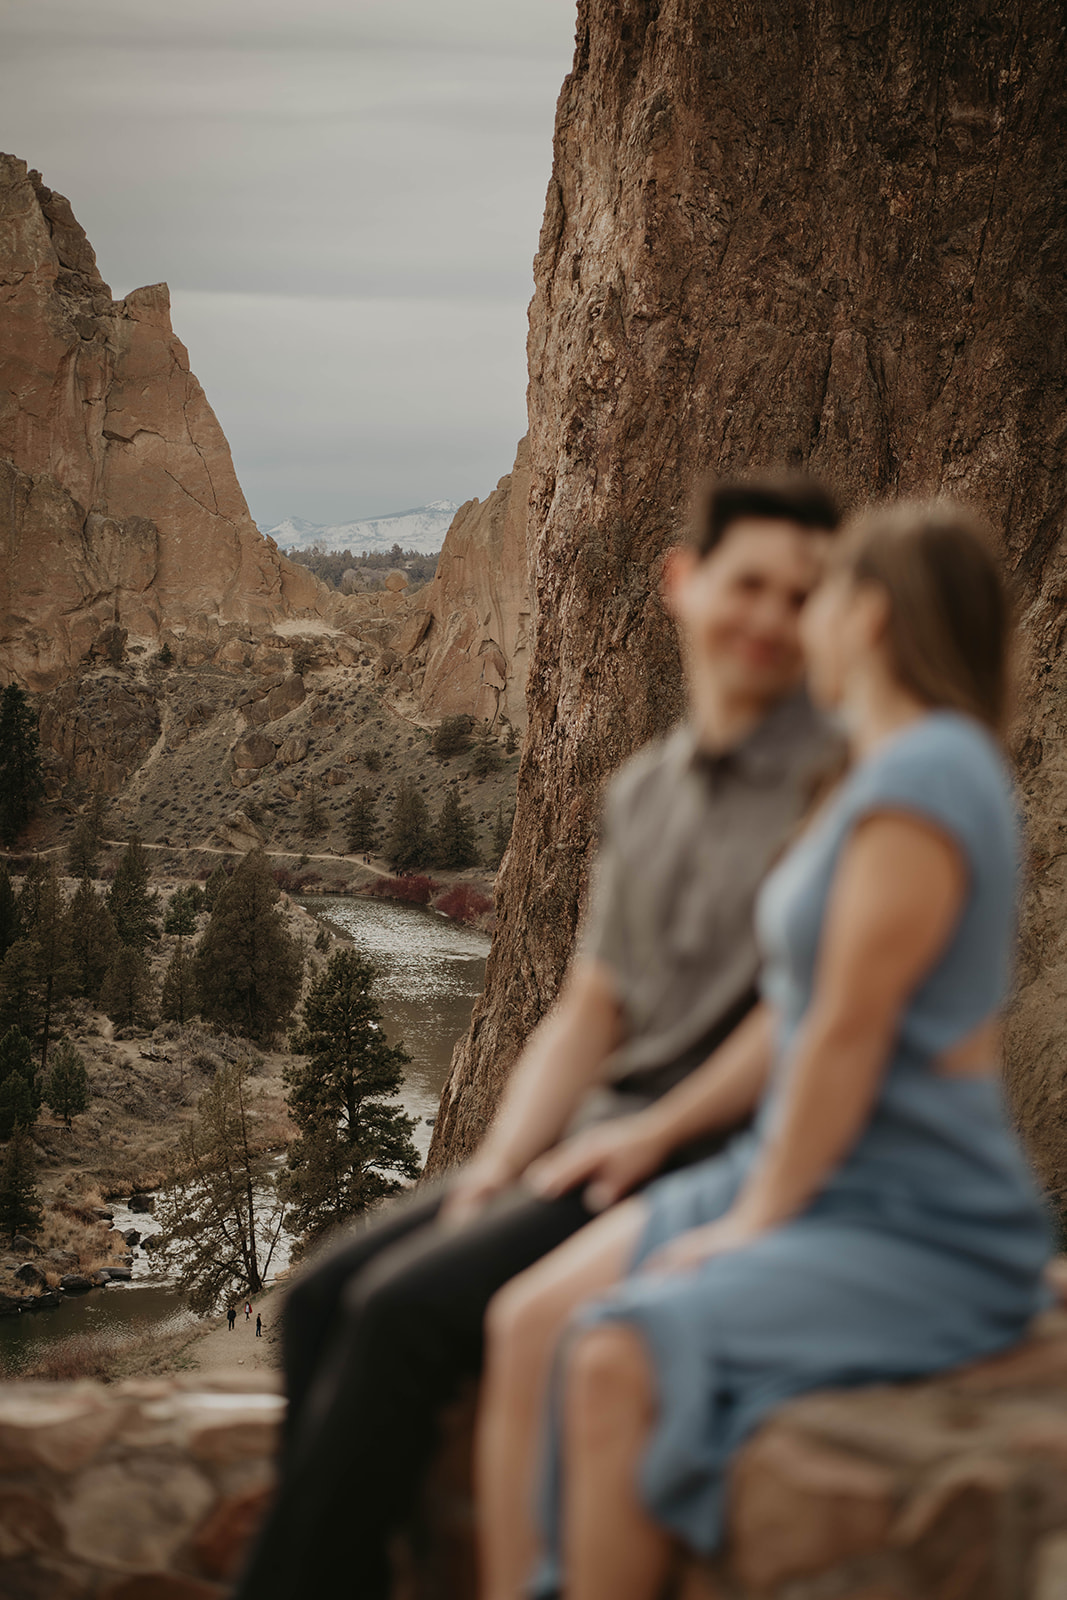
point(259, 1326)
point(248, 1309)
point(231, 1317)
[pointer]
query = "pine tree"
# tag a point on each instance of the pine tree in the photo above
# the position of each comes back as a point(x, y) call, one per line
point(132, 906)
point(91, 939)
point(248, 965)
point(10, 921)
point(66, 1088)
point(220, 1223)
point(178, 1000)
point(126, 996)
point(21, 778)
point(29, 897)
point(362, 821)
point(451, 737)
point(501, 836)
point(215, 884)
point(51, 941)
point(20, 990)
point(182, 910)
point(312, 816)
point(453, 838)
point(20, 1094)
point(354, 1146)
point(410, 841)
point(20, 1206)
point(485, 757)
point(83, 852)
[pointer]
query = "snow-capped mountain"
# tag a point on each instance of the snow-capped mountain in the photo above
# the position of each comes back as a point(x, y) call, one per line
point(422, 529)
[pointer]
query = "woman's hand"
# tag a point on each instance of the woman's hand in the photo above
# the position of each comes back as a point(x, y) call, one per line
point(691, 1249)
point(609, 1160)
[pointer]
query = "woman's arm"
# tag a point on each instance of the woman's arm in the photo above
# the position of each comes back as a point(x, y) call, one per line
point(894, 902)
point(613, 1158)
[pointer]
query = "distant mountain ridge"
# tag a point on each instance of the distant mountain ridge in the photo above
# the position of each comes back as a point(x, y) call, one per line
point(423, 528)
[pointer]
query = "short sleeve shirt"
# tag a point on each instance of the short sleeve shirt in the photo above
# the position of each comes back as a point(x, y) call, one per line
point(687, 837)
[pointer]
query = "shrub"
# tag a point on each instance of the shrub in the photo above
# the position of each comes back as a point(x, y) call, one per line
point(462, 903)
point(414, 889)
point(451, 737)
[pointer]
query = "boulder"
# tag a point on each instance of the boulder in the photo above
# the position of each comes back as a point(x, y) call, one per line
point(103, 1214)
point(23, 1246)
point(132, 1236)
point(253, 750)
point(118, 1274)
point(75, 1283)
point(293, 749)
point(30, 1274)
point(62, 1258)
point(285, 696)
point(142, 1202)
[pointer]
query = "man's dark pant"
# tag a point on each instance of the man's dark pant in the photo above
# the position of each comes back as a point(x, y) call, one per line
point(377, 1338)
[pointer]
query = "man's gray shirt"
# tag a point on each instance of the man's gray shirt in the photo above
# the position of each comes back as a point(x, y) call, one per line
point(686, 839)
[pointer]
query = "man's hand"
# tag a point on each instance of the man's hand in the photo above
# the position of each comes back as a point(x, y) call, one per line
point(473, 1187)
point(609, 1160)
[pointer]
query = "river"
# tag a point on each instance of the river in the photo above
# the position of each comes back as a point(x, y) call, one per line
point(431, 971)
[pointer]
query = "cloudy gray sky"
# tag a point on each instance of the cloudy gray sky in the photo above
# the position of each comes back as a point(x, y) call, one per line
point(344, 196)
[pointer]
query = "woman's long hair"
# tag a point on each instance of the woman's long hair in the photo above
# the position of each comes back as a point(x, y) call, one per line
point(949, 630)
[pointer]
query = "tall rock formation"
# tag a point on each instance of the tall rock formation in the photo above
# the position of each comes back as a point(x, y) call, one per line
point(814, 233)
point(467, 646)
point(118, 499)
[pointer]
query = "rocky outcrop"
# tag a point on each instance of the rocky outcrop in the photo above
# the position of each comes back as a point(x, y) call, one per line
point(807, 238)
point(466, 645)
point(118, 499)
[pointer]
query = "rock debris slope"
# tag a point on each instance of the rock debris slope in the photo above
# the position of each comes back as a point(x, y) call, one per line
point(118, 499)
point(813, 233)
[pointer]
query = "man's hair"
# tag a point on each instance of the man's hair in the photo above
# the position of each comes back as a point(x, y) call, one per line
point(803, 501)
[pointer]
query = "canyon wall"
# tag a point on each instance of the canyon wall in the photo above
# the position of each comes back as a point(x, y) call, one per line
point(119, 504)
point(467, 643)
point(819, 233)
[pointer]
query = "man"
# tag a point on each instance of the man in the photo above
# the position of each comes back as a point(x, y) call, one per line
point(384, 1328)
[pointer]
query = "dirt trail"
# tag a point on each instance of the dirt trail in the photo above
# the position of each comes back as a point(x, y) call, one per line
point(219, 1350)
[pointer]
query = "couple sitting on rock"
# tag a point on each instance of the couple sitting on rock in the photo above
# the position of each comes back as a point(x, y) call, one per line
point(758, 1146)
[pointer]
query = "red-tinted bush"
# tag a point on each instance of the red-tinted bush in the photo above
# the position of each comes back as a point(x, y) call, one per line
point(463, 903)
point(413, 888)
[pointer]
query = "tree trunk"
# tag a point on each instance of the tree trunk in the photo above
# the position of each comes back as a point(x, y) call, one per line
point(812, 232)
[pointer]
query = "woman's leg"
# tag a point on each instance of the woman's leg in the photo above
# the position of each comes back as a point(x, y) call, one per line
point(612, 1548)
point(522, 1327)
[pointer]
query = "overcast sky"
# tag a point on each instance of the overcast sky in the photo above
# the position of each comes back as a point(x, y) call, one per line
point(344, 196)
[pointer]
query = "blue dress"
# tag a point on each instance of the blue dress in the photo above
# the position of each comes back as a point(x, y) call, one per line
point(925, 1248)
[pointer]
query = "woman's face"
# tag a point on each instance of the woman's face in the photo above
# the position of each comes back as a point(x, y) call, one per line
point(841, 631)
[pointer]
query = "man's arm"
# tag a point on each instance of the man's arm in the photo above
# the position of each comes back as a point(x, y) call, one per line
point(563, 1058)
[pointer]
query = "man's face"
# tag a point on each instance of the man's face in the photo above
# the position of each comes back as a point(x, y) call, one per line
point(738, 609)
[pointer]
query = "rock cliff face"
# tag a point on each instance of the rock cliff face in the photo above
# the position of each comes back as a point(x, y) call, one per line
point(813, 234)
point(118, 498)
point(467, 646)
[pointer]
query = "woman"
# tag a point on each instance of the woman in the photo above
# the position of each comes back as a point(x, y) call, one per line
point(879, 1222)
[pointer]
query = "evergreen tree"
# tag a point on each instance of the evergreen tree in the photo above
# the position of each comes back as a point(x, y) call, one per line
point(91, 939)
point(10, 921)
point(362, 821)
point(451, 737)
point(312, 816)
point(83, 852)
point(215, 884)
point(132, 905)
point(20, 1094)
point(20, 1206)
point(126, 996)
point(454, 845)
point(66, 1088)
point(178, 1000)
point(354, 1144)
point(248, 965)
point(410, 841)
point(21, 778)
point(485, 757)
point(51, 941)
point(182, 910)
point(20, 990)
point(501, 836)
point(220, 1222)
point(29, 897)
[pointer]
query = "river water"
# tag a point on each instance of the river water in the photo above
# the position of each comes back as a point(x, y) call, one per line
point(431, 971)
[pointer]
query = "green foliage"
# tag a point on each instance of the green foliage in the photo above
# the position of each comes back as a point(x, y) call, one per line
point(91, 939)
point(372, 758)
point(66, 1087)
point(220, 1221)
point(21, 777)
point(451, 737)
point(214, 886)
point(178, 1001)
point(362, 821)
point(485, 757)
point(371, 565)
point(501, 835)
point(511, 742)
point(20, 1206)
point(313, 820)
point(10, 921)
point(29, 897)
point(83, 852)
point(21, 1001)
point(126, 995)
point(248, 966)
point(453, 838)
point(323, 940)
point(303, 658)
point(20, 1095)
point(182, 910)
point(55, 967)
point(131, 903)
point(354, 1146)
point(165, 656)
point(410, 841)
